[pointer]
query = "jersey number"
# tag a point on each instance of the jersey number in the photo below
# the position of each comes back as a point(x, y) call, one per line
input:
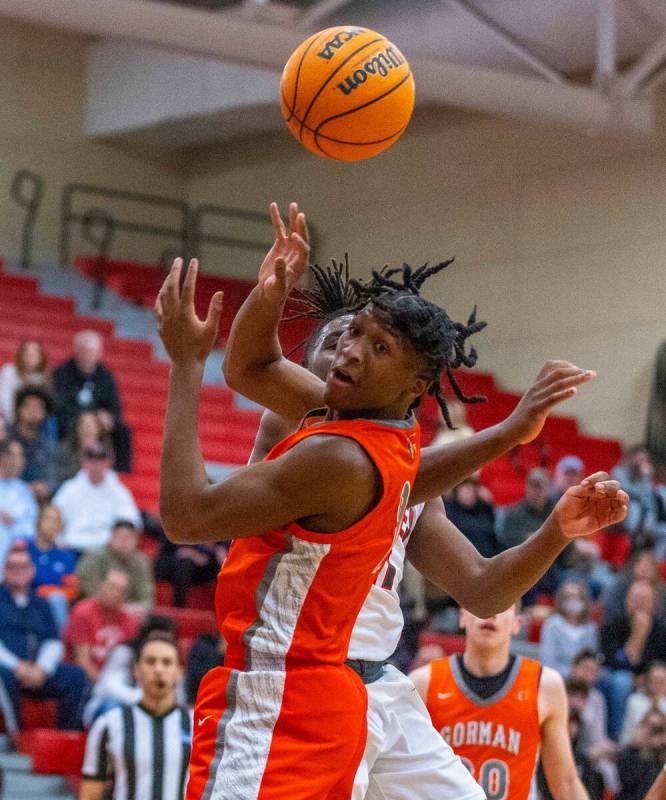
point(493, 777)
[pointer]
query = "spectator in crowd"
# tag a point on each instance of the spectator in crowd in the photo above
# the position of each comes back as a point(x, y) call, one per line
point(92, 501)
point(121, 552)
point(33, 405)
point(569, 629)
point(585, 564)
point(640, 762)
point(529, 514)
point(30, 650)
point(30, 368)
point(660, 521)
point(87, 432)
point(18, 507)
point(461, 428)
point(568, 472)
point(184, 566)
point(206, 653)
point(55, 566)
point(598, 747)
point(642, 566)
point(116, 684)
point(629, 643)
point(149, 740)
point(652, 695)
point(474, 516)
point(636, 473)
point(83, 383)
point(98, 624)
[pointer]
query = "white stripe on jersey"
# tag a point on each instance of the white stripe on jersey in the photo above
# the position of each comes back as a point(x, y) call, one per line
point(254, 697)
point(379, 624)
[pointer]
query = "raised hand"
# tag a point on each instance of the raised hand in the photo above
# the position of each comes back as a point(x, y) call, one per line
point(594, 504)
point(287, 259)
point(557, 381)
point(185, 336)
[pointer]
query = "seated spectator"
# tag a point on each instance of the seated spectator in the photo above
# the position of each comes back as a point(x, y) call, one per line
point(18, 507)
point(569, 629)
point(86, 433)
point(98, 624)
point(636, 472)
point(461, 429)
point(652, 695)
point(122, 552)
point(206, 652)
point(642, 566)
point(629, 643)
point(569, 471)
point(660, 521)
point(599, 748)
point(33, 405)
point(83, 383)
point(116, 684)
point(475, 517)
point(30, 650)
point(577, 694)
point(585, 564)
point(527, 515)
point(184, 566)
point(55, 566)
point(640, 762)
point(92, 501)
point(30, 368)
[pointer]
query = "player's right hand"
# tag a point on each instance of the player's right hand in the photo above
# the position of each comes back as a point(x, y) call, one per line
point(288, 258)
point(557, 381)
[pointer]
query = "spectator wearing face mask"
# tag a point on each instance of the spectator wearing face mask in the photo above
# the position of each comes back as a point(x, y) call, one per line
point(569, 630)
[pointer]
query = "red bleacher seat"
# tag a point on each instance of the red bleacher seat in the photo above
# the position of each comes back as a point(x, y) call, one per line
point(450, 643)
point(38, 713)
point(191, 622)
point(55, 752)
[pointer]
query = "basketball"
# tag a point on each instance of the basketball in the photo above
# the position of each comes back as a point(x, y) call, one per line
point(347, 93)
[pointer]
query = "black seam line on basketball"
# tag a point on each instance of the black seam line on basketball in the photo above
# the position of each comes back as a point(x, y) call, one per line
point(292, 109)
point(354, 144)
point(364, 105)
point(345, 141)
point(335, 71)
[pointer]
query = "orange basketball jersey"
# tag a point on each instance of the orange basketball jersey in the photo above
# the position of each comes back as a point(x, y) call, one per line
point(497, 738)
point(292, 596)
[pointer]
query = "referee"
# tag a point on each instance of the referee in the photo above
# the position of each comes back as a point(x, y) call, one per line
point(144, 748)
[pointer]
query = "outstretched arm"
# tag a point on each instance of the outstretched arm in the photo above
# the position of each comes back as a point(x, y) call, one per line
point(442, 468)
point(253, 361)
point(658, 789)
point(487, 586)
point(556, 753)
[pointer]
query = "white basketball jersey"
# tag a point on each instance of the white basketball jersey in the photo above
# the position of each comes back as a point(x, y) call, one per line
point(380, 622)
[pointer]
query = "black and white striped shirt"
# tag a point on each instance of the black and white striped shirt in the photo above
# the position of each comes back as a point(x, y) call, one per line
point(146, 756)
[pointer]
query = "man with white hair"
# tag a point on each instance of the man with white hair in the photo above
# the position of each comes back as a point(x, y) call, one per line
point(83, 383)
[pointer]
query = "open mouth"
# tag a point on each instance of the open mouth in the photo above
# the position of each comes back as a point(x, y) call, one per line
point(489, 626)
point(341, 375)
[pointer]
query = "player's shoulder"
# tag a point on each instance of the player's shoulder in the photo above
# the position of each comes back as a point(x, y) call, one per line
point(420, 677)
point(552, 693)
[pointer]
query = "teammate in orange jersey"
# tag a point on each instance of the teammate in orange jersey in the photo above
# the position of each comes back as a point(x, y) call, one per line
point(499, 712)
point(313, 525)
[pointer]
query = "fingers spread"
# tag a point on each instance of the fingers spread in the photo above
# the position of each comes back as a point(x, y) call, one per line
point(278, 225)
point(214, 312)
point(170, 291)
point(189, 284)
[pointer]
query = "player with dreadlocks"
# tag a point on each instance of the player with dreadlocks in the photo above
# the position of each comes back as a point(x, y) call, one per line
point(313, 525)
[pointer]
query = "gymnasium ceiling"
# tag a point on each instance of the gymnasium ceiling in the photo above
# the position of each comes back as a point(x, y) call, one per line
point(594, 64)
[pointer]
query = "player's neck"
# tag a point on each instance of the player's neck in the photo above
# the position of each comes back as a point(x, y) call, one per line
point(486, 661)
point(158, 704)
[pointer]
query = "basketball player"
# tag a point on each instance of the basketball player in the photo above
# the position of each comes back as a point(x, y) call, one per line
point(404, 756)
point(658, 788)
point(313, 525)
point(500, 712)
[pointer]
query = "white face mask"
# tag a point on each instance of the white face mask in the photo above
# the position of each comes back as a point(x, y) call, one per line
point(573, 606)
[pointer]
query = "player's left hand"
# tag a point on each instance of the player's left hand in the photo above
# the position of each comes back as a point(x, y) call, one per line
point(594, 504)
point(287, 259)
point(186, 337)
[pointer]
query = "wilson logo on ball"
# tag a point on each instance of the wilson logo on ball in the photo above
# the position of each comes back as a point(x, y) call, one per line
point(347, 93)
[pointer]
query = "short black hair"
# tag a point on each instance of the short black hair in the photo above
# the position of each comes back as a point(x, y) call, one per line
point(588, 654)
point(124, 523)
point(33, 391)
point(157, 636)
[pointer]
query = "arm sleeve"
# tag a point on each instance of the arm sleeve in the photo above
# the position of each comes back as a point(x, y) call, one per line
point(77, 631)
point(88, 574)
point(548, 645)
point(147, 592)
point(7, 658)
point(50, 655)
point(96, 760)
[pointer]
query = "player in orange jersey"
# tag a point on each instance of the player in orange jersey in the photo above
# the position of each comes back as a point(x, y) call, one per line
point(313, 524)
point(500, 711)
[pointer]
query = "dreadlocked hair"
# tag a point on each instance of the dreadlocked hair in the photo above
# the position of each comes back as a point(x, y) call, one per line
point(331, 295)
point(428, 327)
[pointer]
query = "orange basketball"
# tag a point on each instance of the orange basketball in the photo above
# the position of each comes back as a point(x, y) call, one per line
point(347, 93)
